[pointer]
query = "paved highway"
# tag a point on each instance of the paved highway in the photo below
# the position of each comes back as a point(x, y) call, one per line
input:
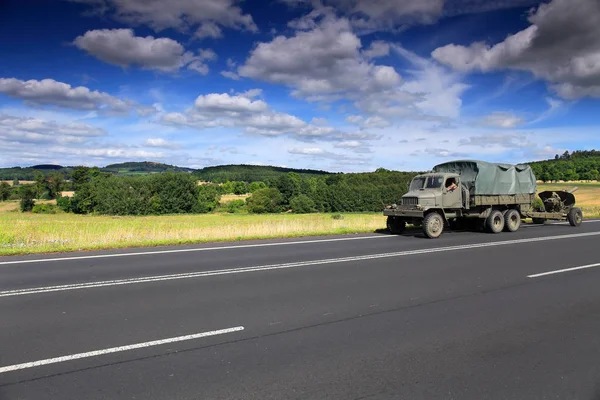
point(467, 316)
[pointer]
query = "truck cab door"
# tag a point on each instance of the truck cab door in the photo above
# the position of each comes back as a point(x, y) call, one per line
point(452, 193)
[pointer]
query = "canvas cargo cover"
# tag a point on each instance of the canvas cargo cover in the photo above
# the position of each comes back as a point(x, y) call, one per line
point(483, 178)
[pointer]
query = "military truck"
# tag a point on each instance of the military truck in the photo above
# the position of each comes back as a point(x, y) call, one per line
point(492, 197)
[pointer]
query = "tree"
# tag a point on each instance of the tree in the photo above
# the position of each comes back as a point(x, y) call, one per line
point(4, 191)
point(302, 204)
point(40, 184)
point(80, 176)
point(27, 194)
point(16, 182)
point(254, 186)
point(266, 200)
point(55, 184)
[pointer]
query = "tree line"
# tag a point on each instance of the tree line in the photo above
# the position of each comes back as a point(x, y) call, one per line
point(578, 165)
point(174, 193)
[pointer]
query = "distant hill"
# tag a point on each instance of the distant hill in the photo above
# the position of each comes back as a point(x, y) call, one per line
point(141, 168)
point(250, 173)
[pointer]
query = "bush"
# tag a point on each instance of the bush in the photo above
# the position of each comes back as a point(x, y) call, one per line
point(64, 203)
point(208, 199)
point(44, 209)
point(235, 206)
point(302, 204)
point(337, 216)
point(266, 200)
point(4, 191)
point(27, 195)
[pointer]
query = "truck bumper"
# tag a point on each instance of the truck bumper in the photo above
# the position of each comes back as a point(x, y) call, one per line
point(405, 213)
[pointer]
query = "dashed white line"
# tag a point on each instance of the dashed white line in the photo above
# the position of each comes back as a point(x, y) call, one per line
point(159, 278)
point(96, 353)
point(561, 271)
point(149, 253)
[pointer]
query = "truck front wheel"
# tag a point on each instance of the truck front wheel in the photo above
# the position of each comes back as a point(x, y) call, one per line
point(495, 222)
point(433, 225)
point(396, 225)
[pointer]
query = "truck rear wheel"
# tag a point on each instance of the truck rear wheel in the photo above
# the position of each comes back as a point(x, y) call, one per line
point(396, 225)
point(433, 225)
point(575, 217)
point(512, 221)
point(495, 222)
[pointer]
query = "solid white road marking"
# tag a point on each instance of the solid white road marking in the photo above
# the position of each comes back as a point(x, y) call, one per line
point(96, 353)
point(147, 253)
point(560, 271)
point(158, 278)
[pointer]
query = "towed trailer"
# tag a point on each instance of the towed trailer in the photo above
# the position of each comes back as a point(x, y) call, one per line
point(493, 197)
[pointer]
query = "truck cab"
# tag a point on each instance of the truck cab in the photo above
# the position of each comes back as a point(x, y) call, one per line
point(434, 191)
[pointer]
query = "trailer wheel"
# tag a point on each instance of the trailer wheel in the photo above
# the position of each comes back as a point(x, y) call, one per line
point(575, 217)
point(495, 222)
point(433, 225)
point(396, 225)
point(512, 221)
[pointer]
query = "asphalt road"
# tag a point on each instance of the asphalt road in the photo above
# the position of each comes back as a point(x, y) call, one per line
point(467, 316)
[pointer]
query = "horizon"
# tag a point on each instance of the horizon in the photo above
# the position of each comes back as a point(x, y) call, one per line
point(332, 85)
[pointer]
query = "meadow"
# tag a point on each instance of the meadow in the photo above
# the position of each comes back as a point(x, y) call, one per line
point(27, 233)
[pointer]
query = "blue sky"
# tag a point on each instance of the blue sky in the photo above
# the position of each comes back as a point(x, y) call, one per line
point(340, 85)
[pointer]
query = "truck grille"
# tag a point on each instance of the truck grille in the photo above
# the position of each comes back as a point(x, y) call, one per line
point(410, 201)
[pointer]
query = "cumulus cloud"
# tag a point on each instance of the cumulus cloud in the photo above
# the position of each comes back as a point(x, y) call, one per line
point(203, 18)
point(121, 47)
point(368, 123)
point(34, 130)
point(561, 46)
point(255, 117)
point(161, 143)
point(325, 60)
point(503, 120)
point(53, 93)
point(504, 140)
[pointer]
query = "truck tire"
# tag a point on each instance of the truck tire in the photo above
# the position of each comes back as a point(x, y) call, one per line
point(395, 225)
point(512, 221)
point(495, 222)
point(575, 217)
point(433, 225)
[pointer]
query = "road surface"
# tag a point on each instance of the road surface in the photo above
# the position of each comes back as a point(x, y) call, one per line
point(467, 316)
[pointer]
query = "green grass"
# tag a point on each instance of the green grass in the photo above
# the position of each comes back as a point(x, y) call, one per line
point(34, 233)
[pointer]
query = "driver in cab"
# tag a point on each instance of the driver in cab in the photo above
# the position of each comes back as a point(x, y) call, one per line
point(451, 185)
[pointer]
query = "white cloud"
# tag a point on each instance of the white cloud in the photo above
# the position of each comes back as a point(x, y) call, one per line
point(23, 130)
point(308, 151)
point(203, 18)
point(503, 140)
point(161, 143)
point(378, 48)
point(230, 75)
point(325, 60)
point(319, 121)
point(121, 47)
point(255, 117)
point(561, 46)
point(223, 102)
point(503, 120)
point(51, 92)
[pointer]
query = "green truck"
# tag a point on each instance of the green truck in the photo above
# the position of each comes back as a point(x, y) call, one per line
point(492, 197)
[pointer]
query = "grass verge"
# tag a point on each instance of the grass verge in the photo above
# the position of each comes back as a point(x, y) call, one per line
point(30, 233)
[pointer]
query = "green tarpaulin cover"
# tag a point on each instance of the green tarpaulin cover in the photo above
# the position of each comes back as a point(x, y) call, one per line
point(483, 178)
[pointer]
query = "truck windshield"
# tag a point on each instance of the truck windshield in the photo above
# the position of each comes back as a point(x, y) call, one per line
point(417, 184)
point(434, 182)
